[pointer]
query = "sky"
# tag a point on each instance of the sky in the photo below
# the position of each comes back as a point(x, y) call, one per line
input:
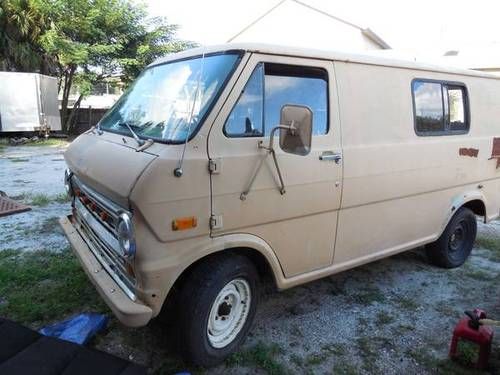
point(421, 25)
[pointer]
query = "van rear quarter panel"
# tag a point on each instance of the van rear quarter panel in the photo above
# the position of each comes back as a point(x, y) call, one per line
point(399, 188)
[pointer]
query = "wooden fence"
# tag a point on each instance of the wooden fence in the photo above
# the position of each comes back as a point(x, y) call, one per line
point(85, 118)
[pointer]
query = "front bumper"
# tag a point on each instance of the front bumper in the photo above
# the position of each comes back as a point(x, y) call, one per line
point(130, 313)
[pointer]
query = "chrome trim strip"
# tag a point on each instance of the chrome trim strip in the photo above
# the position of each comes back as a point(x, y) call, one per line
point(97, 227)
point(110, 206)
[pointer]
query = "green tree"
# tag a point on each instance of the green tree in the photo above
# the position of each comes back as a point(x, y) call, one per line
point(83, 41)
point(96, 39)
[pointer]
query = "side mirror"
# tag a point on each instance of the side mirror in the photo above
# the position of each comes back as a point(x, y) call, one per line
point(297, 138)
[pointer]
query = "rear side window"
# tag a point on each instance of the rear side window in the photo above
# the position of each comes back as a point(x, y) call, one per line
point(440, 108)
point(270, 87)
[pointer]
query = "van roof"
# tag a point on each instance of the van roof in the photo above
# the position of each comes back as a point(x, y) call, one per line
point(323, 55)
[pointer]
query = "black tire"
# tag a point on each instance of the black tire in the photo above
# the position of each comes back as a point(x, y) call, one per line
point(455, 244)
point(198, 294)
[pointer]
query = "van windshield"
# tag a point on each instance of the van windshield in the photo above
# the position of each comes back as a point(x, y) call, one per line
point(168, 102)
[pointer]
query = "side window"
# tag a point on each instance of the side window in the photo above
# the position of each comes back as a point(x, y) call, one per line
point(456, 104)
point(269, 88)
point(429, 109)
point(246, 118)
point(440, 108)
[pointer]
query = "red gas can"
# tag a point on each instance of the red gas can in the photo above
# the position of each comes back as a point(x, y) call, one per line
point(470, 330)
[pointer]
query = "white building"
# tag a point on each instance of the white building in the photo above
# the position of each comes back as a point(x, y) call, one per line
point(296, 23)
point(483, 58)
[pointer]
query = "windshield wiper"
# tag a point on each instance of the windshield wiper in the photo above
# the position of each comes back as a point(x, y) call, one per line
point(139, 141)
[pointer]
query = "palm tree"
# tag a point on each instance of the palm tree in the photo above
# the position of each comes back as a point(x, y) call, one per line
point(22, 22)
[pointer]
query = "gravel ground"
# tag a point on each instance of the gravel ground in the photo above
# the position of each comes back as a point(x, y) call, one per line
point(389, 317)
point(33, 175)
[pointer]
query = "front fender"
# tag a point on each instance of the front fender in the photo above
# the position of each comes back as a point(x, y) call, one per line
point(165, 273)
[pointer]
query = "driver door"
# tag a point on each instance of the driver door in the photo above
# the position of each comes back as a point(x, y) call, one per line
point(299, 225)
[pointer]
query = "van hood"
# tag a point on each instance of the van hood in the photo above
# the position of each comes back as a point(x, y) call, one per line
point(106, 165)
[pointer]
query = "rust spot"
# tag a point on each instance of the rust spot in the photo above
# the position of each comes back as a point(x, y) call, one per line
point(495, 151)
point(472, 152)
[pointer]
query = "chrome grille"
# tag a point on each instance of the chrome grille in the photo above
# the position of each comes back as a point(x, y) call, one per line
point(96, 221)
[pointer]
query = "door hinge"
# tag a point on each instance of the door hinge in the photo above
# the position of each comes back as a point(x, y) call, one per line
point(214, 166)
point(216, 222)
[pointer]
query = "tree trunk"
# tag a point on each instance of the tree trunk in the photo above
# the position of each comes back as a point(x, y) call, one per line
point(76, 106)
point(68, 81)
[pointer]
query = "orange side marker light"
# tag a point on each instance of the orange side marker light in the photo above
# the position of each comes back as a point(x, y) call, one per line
point(183, 223)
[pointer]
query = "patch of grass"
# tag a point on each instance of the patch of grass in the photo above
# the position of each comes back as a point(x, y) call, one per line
point(369, 350)
point(295, 330)
point(402, 329)
point(316, 358)
point(9, 237)
point(440, 366)
point(297, 360)
point(406, 303)
point(422, 357)
point(40, 199)
point(368, 296)
point(50, 142)
point(492, 244)
point(334, 349)
point(44, 286)
point(19, 160)
point(363, 324)
point(61, 198)
point(173, 366)
point(262, 356)
point(4, 142)
point(337, 286)
point(383, 318)
point(345, 369)
point(47, 226)
point(467, 353)
point(327, 351)
point(447, 309)
point(478, 274)
point(449, 367)
point(488, 243)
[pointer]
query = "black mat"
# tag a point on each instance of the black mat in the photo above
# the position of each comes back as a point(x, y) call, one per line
point(26, 352)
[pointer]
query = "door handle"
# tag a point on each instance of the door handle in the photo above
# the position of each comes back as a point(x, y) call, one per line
point(330, 155)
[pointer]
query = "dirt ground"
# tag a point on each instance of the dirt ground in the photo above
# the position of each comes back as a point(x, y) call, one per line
point(389, 317)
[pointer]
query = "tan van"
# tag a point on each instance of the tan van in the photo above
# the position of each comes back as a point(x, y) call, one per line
point(224, 164)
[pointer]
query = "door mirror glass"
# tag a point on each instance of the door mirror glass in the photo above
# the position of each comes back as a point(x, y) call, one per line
point(297, 139)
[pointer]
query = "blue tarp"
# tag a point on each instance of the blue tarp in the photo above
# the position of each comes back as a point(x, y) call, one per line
point(78, 329)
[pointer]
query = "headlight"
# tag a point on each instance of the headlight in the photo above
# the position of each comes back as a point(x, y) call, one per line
point(67, 182)
point(125, 233)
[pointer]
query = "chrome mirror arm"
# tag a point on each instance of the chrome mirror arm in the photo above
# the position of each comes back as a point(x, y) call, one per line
point(269, 150)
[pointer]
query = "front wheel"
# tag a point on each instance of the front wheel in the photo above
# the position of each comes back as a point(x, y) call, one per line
point(455, 244)
point(216, 308)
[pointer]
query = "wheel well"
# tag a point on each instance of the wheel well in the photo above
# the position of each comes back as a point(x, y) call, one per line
point(477, 206)
point(261, 264)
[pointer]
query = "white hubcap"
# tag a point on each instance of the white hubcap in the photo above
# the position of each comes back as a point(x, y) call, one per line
point(229, 313)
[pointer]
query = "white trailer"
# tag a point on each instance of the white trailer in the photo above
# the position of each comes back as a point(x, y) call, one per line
point(28, 102)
